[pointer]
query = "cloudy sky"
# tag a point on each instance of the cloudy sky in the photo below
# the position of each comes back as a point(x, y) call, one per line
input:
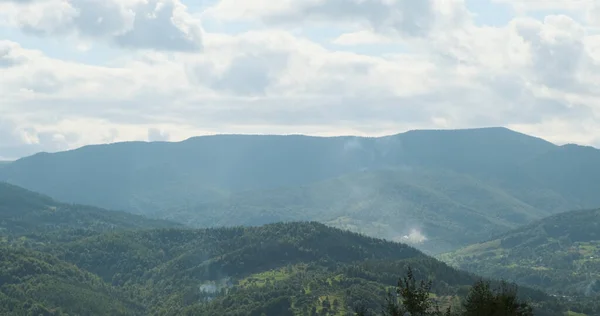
point(76, 72)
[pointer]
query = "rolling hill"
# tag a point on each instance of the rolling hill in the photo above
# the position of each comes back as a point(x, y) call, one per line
point(560, 254)
point(59, 259)
point(434, 210)
point(23, 212)
point(34, 283)
point(276, 269)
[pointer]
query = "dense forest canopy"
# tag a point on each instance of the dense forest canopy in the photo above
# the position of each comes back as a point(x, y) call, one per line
point(560, 254)
point(278, 269)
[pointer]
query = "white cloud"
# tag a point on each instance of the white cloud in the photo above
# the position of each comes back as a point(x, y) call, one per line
point(142, 24)
point(361, 38)
point(593, 14)
point(395, 17)
point(158, 135)
point(522, 6)
point(536, 75)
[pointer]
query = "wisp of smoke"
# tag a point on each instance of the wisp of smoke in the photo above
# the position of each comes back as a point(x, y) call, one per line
point(211, 289)
point(414, 237)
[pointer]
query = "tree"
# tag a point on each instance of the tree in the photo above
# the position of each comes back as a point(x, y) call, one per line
point(361, 310)
point(414, 298)
point(481, 300)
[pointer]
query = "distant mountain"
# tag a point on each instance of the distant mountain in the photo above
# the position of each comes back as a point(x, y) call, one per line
point(453, 186)
point(149, 177)
point(560, 254)
point(571, 170)
point(23, 212)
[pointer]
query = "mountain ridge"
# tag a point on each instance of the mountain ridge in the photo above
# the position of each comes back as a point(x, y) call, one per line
point(525, 178)
point(23, 211)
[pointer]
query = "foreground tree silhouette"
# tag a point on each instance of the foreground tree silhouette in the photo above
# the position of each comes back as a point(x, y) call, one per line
point(481, 300)
point(412, 299)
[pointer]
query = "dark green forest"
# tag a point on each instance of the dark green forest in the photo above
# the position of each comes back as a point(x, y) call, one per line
point(560, 254)
point(278, 269)
point(155, 268)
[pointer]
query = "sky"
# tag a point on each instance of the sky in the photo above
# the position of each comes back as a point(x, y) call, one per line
point(78, 72)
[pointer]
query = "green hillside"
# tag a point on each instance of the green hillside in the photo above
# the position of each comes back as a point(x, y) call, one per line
point(277, 269)
point(23, 212)
point(34, 283)
point(560, 254)
point(172, 266)
point(60, 259)
point(448, 208)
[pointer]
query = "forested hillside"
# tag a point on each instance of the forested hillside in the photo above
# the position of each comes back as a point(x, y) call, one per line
point(34, 283)
point(278, 269)
point(560, 254)
point(434, 210)
point(23, 212)
point(59, 259)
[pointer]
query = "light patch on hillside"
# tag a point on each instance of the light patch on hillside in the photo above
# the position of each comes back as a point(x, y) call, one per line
point(414, 237)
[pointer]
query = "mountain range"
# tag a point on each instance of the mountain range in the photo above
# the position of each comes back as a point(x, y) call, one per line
point(437, 189)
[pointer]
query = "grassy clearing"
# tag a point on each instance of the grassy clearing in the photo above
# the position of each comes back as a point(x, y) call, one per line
point(272, 276)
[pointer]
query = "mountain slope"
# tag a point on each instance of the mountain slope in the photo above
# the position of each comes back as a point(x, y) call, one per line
point(24, 212)
point(34, 283)
point(560, 254)
point(448, 208)
point(150, 177)
point(277, 269)
point(572, 170)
